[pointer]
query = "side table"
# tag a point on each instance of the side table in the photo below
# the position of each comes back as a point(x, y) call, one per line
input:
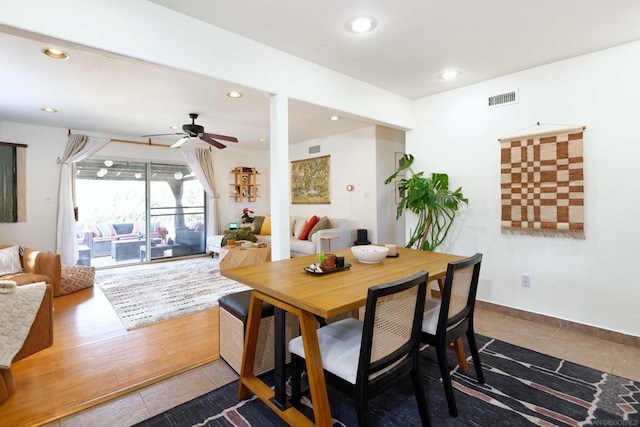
point(328, 238)
point(237, 256)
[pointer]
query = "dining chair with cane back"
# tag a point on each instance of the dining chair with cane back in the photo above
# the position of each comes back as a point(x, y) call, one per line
point(364, 357)
point(449, 319)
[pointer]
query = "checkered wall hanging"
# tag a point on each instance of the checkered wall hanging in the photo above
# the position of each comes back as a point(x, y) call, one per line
point(542, 183)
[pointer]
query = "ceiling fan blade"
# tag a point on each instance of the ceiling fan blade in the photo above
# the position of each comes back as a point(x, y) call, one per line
point(207, 138)
point(179, 142)
point(222, 137)
point(164, 134)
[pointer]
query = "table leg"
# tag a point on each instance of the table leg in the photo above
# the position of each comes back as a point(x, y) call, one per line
point(280, 371)
point(317, 385)
point(250, 344)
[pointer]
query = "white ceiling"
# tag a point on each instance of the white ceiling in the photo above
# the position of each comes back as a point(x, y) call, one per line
point(414, 41)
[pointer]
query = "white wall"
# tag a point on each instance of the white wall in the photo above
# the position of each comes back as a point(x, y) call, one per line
point(389, 230)
point(46, 144)
point(587, 281)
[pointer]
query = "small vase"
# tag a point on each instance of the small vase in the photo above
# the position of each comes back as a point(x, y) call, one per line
point(248, 225)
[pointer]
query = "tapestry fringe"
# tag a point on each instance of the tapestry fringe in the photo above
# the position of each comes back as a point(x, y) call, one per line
point(570, 234)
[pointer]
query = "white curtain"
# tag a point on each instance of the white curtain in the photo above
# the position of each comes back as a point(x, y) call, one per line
point(201, 162)
point(79, 147)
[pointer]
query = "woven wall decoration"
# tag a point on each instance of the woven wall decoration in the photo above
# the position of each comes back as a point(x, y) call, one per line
point(542, 184)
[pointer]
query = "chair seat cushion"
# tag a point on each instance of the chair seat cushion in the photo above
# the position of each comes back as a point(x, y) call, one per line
point(238, 305)
point(430, 316)
point(339, 347)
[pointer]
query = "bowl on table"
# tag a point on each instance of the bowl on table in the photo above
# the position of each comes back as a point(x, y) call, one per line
point(369, 254)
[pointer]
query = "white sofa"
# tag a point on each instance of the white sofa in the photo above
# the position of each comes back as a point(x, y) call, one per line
point(340, 227)
point(344, 232)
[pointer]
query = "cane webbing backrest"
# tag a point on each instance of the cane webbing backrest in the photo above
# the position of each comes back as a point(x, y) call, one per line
point(461, 284)
point(393, 322)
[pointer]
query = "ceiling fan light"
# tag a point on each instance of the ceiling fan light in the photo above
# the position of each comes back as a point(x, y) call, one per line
point(179, 142)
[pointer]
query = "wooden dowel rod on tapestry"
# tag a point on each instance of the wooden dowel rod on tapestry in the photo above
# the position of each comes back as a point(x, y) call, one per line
point(538, 133)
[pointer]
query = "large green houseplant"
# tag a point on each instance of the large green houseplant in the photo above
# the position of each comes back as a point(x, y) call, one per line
point(428, 197)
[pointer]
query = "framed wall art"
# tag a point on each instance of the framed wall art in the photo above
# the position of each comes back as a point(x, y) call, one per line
point(310, 179)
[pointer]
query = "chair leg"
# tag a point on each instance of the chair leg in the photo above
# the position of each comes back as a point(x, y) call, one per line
point(362, 408)
point(418, 390)
point(441, 351)
point(471, 338)
point(296, 379)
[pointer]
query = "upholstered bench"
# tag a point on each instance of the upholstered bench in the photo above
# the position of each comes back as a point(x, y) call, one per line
point(234, 312)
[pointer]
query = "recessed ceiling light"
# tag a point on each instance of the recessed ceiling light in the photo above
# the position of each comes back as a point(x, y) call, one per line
point(362, 24)
point(55, 53)
point(262, 140)
point(334, 118)
point(234, 94)
point(108, 163)
point(174, 127)
point(49, 110)
point(449, 75)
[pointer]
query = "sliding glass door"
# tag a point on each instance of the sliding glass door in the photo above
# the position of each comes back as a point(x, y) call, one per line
point(177, 210)
point(119, 200)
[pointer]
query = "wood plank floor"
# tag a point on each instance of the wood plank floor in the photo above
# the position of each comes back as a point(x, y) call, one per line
point(95, 359)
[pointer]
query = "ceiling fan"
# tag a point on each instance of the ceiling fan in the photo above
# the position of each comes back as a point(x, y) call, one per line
point(192, 130)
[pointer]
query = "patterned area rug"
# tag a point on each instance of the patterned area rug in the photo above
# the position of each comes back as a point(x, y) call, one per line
point(522, 388)
point(151, 293)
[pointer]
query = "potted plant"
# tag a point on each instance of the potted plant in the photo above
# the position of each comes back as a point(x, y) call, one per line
point(247, 217)
point(431, 200)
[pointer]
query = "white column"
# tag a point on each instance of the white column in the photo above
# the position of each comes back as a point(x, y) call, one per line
point(280, 176)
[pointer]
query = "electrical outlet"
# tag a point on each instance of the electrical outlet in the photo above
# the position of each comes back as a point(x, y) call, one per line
point(525, 280)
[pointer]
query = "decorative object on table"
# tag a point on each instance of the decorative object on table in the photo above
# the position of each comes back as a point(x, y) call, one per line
point(145, 294)
point(247, 244)
point(339, 261)
point(247, 216)
point(431, 200)
point(362, 237)
point(317, 269)
point(542, 183)
point(392, 250)
point(329, 261)
point(369, 254)
point(511, 396)
point(310, 181)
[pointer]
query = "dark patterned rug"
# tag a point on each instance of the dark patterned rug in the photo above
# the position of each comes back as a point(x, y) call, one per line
point(522, 387)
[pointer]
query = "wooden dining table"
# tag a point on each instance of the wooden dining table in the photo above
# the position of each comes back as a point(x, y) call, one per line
point(288, 287)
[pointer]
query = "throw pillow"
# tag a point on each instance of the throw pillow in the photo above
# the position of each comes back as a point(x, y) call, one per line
point(323, 224)
point(307, 229)
point(257, 224)
point(10, 260)
point(265, 230)
point(298, 227)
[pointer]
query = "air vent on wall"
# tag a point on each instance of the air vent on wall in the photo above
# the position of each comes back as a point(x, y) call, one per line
point(314, 149)
point(503, 99)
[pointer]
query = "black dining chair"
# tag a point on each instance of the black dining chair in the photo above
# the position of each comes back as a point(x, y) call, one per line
point(364, 358)
point(451, 318)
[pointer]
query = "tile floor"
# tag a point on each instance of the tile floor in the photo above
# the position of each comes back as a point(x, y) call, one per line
point(584, 349)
